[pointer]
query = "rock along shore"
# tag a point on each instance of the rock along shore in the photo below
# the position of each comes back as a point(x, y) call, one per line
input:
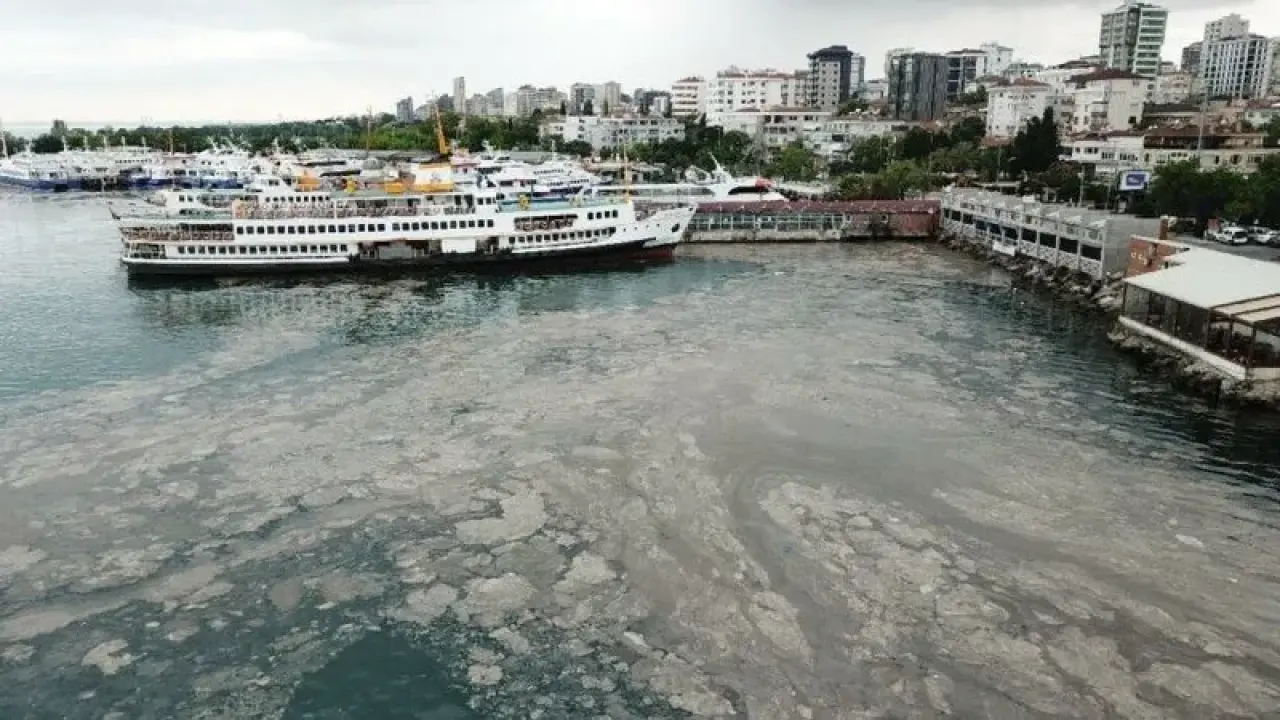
point(1181, 371)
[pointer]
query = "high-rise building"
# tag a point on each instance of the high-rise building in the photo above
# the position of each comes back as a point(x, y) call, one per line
point(1191, 57)
point(918, 86)
point(460, 95)
point(1229, 26)
point(736, 89)
point(835, 74)
point(1132, 36)
point(1236, 66)
point(608, 98)
point(891, 55)
point(404, 110)
point(582, 99)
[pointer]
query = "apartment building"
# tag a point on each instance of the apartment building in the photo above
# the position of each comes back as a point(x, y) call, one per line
point(617, 131)
point(1011, 105)
point(835, 74)
point(1132, 36)
point(736, 89)
point(689, 97)
point(918, 86)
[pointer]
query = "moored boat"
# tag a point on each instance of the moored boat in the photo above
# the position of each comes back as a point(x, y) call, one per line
point(425, 223)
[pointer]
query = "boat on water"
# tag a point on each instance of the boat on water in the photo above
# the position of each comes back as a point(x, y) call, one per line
point(424, 223)
point(699, 187)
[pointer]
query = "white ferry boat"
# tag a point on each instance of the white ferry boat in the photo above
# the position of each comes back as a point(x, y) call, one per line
point(430, 223)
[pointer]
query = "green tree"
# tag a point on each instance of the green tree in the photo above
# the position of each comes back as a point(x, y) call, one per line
point(854, 104)
point(794, 162)
point(1036, 146)
point(899, 179)
point(1272, 132)
point(969, 130)
point(869, 155)
point(976, 98)
point(917, 144)
point(1183, 190)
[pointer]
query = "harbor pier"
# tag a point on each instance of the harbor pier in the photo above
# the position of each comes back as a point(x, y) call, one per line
point(814, 221)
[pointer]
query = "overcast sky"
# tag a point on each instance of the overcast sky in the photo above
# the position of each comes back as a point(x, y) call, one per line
point(182, 60)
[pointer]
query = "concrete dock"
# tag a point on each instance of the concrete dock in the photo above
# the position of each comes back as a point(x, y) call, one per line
point(814, 221)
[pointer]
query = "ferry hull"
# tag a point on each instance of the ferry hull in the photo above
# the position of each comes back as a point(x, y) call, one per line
point(645, 250)
point(44, 185)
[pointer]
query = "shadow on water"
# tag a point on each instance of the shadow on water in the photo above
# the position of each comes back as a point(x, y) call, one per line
point(1098, 393)
point(380, 677)
point(388, 309)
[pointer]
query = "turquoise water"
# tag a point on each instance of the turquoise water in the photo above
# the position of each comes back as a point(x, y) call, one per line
point(769, 482)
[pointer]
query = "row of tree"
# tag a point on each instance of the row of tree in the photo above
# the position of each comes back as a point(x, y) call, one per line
point(1184, 190)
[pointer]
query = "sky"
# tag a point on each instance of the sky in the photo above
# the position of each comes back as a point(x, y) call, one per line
point(125, 61)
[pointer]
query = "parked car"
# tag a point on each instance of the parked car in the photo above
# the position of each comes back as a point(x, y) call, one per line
point(1264, 236)
point(1229, 235)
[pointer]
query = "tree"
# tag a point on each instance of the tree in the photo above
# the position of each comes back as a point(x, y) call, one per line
point(564, 108)
point(977, 98)
point(969, 130)
point(854, 104)
point(1036, 147)
point(588, 108)
point(898, 179)
point(869, 155)
point(917, 144)
point(1183, 190)
point(1272, 132)
point(794, 162)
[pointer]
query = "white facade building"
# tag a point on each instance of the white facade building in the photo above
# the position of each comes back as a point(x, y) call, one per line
point(1107, 101)
point(1106, 153)
point(1225, 27)
point(689, 97)
point(1011, 106)
point(1173, 87)
point(1237, 66)
point(607, 133)
point(875, 90)
point(1132, 36)
point(1059, 77)
point(736, 89)
point(608, 98)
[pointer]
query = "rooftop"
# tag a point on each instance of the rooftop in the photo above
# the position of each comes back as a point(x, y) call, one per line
point(1212, 279)
point(1106, 74)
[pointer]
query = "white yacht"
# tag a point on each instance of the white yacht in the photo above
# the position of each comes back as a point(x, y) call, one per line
point(699, 187)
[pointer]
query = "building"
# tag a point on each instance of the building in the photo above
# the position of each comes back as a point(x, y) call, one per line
point(582, 98)
point(1107, 100)
point(1237, 66)
point(511, 103)
point(1171, 88)
point(608, 98)
point(1132, 36)
point(736, 89)
point(616, 131)
point(1090, 242)
point(1219, 309)
point(1019, 69)
point(1191, 57)
point(1225, 27)
point(545, 99)
point(835, 74)
point(659, 103)
point(1107, 153)
point(837, 135)
point(404, 110)
point(1010, 106)
point(918, 87)
point(892, 55)
point(1059, 77)
point(1273, 89)
point(965, 66)
point(689, 97)
point(495, 101)
point(1240, 152)
point(460, 95)
point(875, 90)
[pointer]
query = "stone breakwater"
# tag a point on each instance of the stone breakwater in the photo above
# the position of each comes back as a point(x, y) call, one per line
point(1099, 295)
point(1183, 372)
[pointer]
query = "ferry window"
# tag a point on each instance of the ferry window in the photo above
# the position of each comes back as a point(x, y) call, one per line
point(382, 227)
point(239, 231)
point(435, 225)
point(293, 248)
point(453, 224)
point(332, 229)
point(490, 223)
point(222, 251)
point(311, 229)
point(395, 227)
point(319, 228)
point(271, 229)
point(181, 250)
point(261, 230)
point(360, 227)
point(253, 251)
point(314, 248)
point(243, 250)
point(591, 216)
